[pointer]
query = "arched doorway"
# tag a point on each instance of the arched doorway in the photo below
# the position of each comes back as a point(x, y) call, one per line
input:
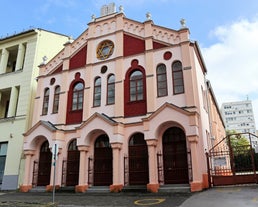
point(44, 169)
point(103, 169)
point(73, 163)
point(138, 160)
point(175, 156)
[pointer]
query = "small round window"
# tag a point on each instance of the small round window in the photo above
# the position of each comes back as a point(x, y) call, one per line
point(105, 49)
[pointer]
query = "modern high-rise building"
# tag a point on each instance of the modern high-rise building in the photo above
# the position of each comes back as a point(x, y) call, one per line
point(20, 55)
point(239, 116)
point(125, 104)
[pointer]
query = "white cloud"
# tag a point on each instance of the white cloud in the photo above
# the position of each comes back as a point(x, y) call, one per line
point(232, 62)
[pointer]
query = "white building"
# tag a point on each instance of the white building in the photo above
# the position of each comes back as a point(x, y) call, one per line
point(239, 116)
point(20, 55)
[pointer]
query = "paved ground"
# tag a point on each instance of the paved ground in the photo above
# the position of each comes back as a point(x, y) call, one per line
point(15, 199)
point(238, 196)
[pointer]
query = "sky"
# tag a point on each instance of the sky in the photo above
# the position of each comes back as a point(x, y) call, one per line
point(226, 31)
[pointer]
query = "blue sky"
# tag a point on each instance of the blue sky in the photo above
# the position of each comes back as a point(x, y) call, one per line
point(226, 30)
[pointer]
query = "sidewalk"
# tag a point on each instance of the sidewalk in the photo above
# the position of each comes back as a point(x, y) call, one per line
point(236, 196)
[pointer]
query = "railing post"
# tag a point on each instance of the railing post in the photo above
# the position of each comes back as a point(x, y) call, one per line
point(208, 169)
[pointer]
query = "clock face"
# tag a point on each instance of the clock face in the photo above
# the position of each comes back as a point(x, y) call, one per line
point(105, 49)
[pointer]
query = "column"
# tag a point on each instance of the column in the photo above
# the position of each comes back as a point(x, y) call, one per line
point(82, 185)
point(20, 57)
point(27, 182)
point(196, 184)
point(13, 102)
point(4, 60)
point(153, 184)
point(117, 185)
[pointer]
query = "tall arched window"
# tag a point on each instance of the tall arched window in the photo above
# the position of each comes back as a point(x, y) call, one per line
point(56, 100)
point(45, 101)
point(111, 89)
point(136, 86)
point(162, 80)
point(178, 79)
point(97, 92)
point(77, 102)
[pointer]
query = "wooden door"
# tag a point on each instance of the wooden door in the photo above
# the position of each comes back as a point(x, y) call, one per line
point(103, 169)
point(138, 160)
point(73, 164)
point(44, 169)
point(175, 157)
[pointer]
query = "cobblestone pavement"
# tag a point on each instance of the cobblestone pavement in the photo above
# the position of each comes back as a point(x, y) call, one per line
point(17, 199)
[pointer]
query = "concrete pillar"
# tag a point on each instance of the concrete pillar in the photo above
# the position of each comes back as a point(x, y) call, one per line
point(20, 57)
point(13, 102)
point(196, 184)
point(83, 184)
point(117, 174)
point(27, 180)
point(4, 60)
point(153, 185)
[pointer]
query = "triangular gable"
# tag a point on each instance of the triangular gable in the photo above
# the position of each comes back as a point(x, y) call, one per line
point(158, 45)
point(79, 59)
point(57, 70)
point(133, 45)
point(45, 124)
point(96, 115)
point(168, 105)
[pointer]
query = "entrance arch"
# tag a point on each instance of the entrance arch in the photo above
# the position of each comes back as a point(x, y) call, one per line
point(103, 169)
point(175, 156)
point(138, 160)
point(73, 163)
point(44, 169)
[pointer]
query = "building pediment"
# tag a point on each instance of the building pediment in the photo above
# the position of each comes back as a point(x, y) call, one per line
point(45, 124)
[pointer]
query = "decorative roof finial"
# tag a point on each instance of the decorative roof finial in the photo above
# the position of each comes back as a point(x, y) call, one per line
point(182, 21)
point(121, 9)
point(93, 18)
point(44, 58)
point(148, 16)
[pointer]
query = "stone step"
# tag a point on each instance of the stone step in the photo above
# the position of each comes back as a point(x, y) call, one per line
point(135, 188)
point(175, 188)
point(98, 189)
point(38, 189)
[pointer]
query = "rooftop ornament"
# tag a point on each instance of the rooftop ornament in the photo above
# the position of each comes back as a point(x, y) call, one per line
point(121, 9)
point(148, 16)
point(182, 22)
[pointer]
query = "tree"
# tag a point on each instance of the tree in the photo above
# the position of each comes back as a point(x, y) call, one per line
point(238, 142)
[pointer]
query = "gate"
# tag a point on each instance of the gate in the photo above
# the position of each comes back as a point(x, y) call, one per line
point(44, 165)
point(231, 162)
point(138, 160)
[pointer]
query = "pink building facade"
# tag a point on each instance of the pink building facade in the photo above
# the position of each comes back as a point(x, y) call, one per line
point(126, 103)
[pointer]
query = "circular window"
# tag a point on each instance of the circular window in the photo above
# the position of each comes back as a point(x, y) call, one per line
point(167, 55)
point(52, 81)
point(105, 49)
point(103, 69)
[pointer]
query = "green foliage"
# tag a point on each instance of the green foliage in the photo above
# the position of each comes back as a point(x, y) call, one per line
point(238, 142)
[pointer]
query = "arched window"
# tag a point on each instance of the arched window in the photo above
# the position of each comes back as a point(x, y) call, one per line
point(73, 145)
point(56, 100)
point(178, 80)
point(77, 102)
point(97, 92)
point(162, 80)
point(136, 86)
point(111, 89)
point(45, 101)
